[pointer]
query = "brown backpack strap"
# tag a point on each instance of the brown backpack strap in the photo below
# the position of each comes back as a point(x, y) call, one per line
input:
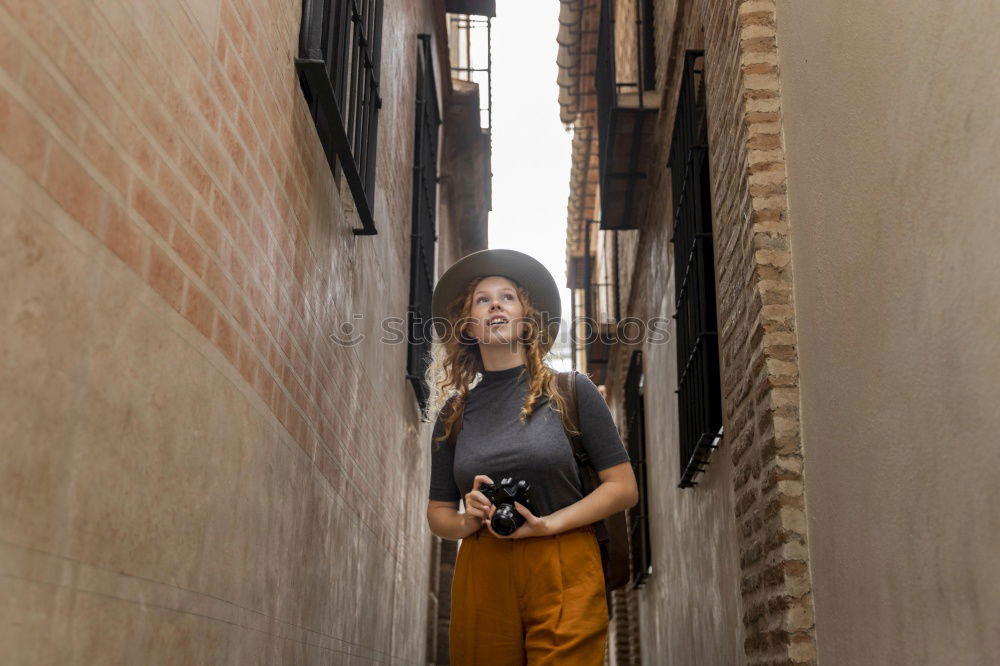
point(614, 551)
point(589, 479)
point(566, 381)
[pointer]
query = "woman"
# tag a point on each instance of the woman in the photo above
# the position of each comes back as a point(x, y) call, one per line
point(537, 595)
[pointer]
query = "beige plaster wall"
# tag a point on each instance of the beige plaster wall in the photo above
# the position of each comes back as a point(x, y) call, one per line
point(892, 138)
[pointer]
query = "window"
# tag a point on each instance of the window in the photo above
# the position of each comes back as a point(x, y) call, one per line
point(470, 51)
point(698, 386)
point(635, 418)
point(627, 103)
point(423, 236)
point(648, 60)
point(338, 65)
point(600, 322)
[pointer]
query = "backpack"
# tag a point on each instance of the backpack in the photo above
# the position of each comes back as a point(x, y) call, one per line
point(612, 532)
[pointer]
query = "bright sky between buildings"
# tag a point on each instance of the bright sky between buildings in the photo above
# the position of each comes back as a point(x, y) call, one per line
point(531, 149)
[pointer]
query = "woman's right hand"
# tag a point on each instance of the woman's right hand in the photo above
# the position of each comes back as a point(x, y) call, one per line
point(476, 504)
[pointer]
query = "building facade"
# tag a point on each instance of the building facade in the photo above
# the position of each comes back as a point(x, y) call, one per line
point(799, 191)
point(219, 220)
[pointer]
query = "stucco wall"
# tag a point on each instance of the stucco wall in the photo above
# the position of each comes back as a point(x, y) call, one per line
point(192, 472)
point(892, 137)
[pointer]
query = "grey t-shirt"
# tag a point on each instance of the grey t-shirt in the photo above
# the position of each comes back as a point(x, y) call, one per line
point(495, 443)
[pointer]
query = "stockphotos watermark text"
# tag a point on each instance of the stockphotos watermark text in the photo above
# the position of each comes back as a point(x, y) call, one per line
point(395, 330)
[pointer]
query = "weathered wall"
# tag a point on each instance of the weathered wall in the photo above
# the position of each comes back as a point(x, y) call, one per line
point(192, 471)
point(892, 138)
point(463, 174)
point(690, 608)
point(758, 335)
point(727, 591)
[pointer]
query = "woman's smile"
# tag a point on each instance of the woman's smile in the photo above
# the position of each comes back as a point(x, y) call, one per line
point(496, 308)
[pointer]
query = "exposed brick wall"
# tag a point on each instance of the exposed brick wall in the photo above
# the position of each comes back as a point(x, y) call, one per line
point(626, 64)
point(757, 329)
point(176, 135)
point(757, 325)
point(624, 639)
point(168, 165)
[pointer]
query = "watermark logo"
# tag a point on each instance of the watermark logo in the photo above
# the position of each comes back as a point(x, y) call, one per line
point(349, 333)
point(580, 330)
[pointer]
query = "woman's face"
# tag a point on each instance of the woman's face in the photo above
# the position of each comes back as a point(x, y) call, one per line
point(495, 298)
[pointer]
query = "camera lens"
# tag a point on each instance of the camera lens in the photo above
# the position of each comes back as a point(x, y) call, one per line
point(503, 522)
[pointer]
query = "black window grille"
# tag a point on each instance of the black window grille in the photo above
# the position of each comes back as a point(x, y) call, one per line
point(698, 386)
point(423, 235)
point(647, 63)
point(606, 85)
point(625, 113)
point(338, 65)
point(470, 42)
point(635, 417)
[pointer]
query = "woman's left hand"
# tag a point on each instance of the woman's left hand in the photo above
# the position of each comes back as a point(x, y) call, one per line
point(533, 525)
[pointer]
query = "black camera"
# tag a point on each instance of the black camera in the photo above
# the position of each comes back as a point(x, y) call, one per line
point(506, 518)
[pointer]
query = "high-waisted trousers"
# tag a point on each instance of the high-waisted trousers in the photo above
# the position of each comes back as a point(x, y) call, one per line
point(537, 601)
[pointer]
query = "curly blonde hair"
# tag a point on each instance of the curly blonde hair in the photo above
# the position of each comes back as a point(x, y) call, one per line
point(455, 363)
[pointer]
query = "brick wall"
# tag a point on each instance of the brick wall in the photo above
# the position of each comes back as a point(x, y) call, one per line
point(623, 636)
point(698, 607)
point(192, 460)
point(757, 330)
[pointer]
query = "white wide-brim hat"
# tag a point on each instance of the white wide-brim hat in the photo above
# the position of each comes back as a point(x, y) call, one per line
point(523, 269)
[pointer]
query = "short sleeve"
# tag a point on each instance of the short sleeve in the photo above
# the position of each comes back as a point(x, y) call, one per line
point(601, 440)
point(442, 486)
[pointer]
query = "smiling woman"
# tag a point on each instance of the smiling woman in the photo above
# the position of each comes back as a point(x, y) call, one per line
point(536, 593)
point(495, 305)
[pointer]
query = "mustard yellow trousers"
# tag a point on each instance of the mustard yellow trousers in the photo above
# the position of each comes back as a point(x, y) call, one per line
point(537, 601)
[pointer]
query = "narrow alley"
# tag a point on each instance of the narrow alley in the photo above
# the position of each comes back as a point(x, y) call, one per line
point(773, 228)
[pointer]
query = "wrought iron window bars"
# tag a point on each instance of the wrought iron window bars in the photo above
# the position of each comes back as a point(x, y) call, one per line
point(338, 66)
point(470, 43)
point(423, 235)
point(635, 417)
point(625, 112)
point(698, 384)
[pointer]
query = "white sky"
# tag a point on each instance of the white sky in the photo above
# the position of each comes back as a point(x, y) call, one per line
point(531, 149)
